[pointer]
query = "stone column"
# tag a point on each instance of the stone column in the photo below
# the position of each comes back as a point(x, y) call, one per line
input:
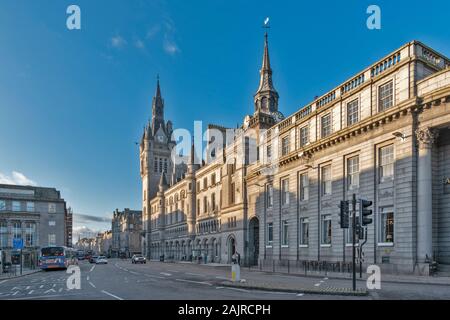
point(425, 138)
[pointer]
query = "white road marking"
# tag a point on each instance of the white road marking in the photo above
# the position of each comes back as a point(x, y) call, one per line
point(325, 278)
point(174, 271)
point(300, 295)
point(112, 295)
point(237, 289)
point(92, 269)
point(31, 292)
point(136, 273)
point(38, 297)
point(87, 278)
point(198, 282)
point(152, 276)
point(49, 290)
point(165, 274)
point(92, 285)
point(3, 281)
point(321, 281)
point(41, 286)
point(15, 293)
point(194, 274)
point(222, 278)
point(60, 289)
point(15, 288)
point(317, 284)
point(28, 287)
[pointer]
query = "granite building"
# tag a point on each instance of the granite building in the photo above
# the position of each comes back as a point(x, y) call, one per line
point(126, 233)
point(36, 215)
point(383, 135)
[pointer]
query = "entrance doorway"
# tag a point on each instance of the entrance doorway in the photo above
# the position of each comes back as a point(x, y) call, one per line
point(253, 230)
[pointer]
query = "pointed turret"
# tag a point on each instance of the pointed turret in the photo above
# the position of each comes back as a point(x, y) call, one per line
point(158, 110)
point(266, 97)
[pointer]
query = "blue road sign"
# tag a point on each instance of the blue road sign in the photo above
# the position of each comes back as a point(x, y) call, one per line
point(18, 243)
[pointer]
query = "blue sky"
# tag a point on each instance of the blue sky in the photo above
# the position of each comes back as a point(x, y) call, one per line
point(72, 103)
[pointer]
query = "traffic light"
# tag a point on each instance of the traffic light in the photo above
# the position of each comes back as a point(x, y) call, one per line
point(344, 214)
point(365, 212)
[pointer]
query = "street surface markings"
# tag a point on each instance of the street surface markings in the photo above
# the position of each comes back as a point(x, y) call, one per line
point(194, 274)
point(237, 289)
point(3, 281)
point(15, 293)
point(165, 274)
point(198, 282)
point(87, 278)
point(325, 278)
point(300, 295)
point(31, 292)
point(112, 295)
point(60, 289)
point(136, 273)
point(41, 286)
point(92, 269)
point(317, 284)
point(92, 285)
point(174, 271)
point(219, 287)
point(152, 276)
point(222, 278)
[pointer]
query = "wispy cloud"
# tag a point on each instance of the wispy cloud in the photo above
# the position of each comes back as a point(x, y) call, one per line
point(170, 47)
point(169, 44)
point(118, 42)
point(139, 44)
point(16, 178)
point(153, 31)
point(86, 218)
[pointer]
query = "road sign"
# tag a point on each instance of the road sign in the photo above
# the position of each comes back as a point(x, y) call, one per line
point(18, 243)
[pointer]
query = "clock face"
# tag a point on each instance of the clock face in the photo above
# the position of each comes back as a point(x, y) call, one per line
point(160, 138)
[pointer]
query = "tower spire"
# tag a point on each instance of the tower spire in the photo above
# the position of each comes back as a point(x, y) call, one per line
point(157, 110)
point(266, 97)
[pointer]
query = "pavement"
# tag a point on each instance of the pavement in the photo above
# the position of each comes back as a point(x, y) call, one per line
point(122, 280)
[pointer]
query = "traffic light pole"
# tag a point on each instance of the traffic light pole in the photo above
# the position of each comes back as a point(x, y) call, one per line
point(353, 240)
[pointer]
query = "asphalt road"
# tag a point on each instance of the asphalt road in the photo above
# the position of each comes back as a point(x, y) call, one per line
point(121, 280)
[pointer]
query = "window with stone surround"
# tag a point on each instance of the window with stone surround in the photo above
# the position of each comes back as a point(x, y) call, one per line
point(326, 180)
point(2, 205)
point(269, 151)
point(3, 234)
point(285, 192)
point(386, 225)
point(16, 206)
point(269, 196)
point(285, 233)
point(304, 231)
point(30, 234)
point(353, 173)
point(284, 145)
point(304, 136)
point(17, 230)
point(325, 229)
point(386, 160)
point(303, 187)
point(386, 96)
point(270, 233)
point(325, 127)
point(352, 112)
point(52, 239)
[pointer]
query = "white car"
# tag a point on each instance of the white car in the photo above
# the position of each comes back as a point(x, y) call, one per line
point(101, 260)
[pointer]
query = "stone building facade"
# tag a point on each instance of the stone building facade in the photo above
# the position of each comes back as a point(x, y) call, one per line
point(36, 215)
point(126, 232)
point(382, 135)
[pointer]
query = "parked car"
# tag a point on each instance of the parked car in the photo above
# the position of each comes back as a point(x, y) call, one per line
point(93, 259)
point(101, 260)
point(138, 258)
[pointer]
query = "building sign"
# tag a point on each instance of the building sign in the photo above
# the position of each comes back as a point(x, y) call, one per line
point(17, 243)
point(446, 181)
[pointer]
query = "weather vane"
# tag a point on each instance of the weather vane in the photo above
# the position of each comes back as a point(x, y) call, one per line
point(266, 24)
